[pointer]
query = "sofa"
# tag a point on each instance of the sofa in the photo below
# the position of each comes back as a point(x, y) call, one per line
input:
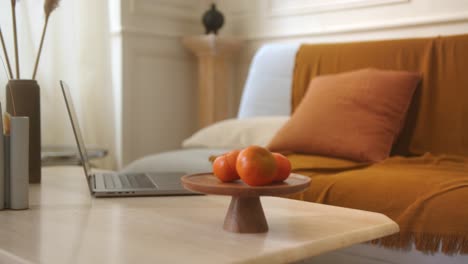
point(432, 144)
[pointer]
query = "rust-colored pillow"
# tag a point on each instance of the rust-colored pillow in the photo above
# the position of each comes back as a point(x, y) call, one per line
point(354, 115)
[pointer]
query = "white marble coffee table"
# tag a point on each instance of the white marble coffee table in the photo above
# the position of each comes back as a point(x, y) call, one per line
point(66, 225)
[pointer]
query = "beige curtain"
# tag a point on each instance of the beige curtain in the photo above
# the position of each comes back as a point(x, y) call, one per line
point(76, 50)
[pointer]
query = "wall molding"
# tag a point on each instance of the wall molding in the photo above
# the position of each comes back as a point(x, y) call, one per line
point(237, 8)
point(166, 54)
point(180, 10)
point(133, 58)
point(423, 21)
point(303, 7)
point(132, 30)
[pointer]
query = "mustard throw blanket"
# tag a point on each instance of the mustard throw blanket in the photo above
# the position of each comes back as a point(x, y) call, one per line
point(437, 120)
point(427, 196)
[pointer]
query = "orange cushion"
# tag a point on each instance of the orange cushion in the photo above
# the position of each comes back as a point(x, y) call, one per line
point(354, 115)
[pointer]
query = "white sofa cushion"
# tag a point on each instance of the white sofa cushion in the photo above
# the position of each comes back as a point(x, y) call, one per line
point(237, 133)
point(186, 160)
point(267, 90)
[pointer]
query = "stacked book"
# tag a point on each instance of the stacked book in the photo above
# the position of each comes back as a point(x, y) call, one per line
point(14, 162)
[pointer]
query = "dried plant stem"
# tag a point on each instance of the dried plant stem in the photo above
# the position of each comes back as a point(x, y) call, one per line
point(5, 68)
point(44, 30)
point(5, 53)
point(15, 36)
point(12, 100)
point(49, 7)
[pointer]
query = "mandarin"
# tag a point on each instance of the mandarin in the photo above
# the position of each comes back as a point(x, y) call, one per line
point(223, 171)
point(256, 166)
point(284, 167)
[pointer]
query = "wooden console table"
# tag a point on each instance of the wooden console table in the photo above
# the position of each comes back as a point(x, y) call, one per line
point(214, 74)
point(66, 225)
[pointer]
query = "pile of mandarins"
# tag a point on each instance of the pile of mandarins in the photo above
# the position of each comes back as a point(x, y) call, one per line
point(255, 165)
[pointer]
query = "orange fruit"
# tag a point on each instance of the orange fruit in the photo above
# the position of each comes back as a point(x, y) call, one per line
point(224, 167)
point(231, 158)
point(284, 167)
point(256, 166)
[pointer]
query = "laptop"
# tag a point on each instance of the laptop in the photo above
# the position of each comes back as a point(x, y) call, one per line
point(114, 184)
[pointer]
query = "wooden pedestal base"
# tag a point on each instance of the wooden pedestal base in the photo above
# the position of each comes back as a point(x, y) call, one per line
point(245, 215)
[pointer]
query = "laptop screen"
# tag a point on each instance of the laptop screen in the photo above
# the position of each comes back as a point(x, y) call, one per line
point(76, 128)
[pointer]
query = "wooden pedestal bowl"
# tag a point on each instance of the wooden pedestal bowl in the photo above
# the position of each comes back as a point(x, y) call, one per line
point(245, 213)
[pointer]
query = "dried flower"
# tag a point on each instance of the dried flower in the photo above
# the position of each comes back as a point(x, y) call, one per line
point(50, 6)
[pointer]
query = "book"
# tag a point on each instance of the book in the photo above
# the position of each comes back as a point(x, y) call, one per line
point(19, 163)
point(2, 162)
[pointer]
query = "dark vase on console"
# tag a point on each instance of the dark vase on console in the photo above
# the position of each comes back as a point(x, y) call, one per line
point(213, 20)
point(23, 99)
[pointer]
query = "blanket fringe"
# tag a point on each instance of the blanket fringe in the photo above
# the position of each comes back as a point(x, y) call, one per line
point(427, 243)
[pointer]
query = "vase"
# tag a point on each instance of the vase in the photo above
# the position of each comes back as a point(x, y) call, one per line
point(23, 99)
point(213, 20)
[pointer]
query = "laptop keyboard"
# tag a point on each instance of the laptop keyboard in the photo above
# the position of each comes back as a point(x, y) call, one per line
point(167, 181)
point(127, 181)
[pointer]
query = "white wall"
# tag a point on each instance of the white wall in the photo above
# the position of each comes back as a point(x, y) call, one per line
point(316, 21)
point(277, 19)
point(157, 74)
